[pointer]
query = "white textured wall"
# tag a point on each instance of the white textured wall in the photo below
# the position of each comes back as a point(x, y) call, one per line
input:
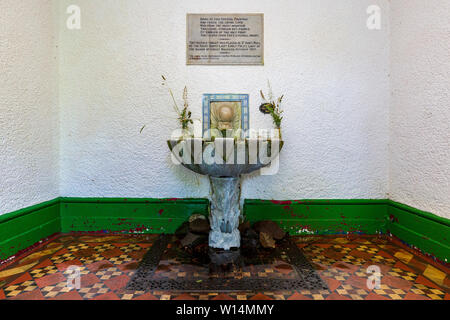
point(333, 71)
point(420, 109)
point(28, 104)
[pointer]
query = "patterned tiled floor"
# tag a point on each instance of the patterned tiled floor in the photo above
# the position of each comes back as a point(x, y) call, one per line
point(106, 264)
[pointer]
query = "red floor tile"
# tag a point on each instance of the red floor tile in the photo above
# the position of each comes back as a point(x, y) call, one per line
point(32, 295)
point(403, 266)
point(298, 296)
point(349, 277)
point(47, 262)
point(24, 277)
point(332, 283)
point(107, 296)
point(88, 280)
point(413, 296)
point(397, 283)
point(260, 296)
point(66, 264)
point(72, 295)
point(146, 296)
point(112, 253)
point(336, 296)
point(422, 280)
point(184, 296)
point(50, 280)
point(357, 282)
point(99, 265)
point(117, 283)
point(374, 296)
point(222, 296)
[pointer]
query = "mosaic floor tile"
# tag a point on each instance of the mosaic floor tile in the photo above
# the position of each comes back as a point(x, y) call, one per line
point(168, 266)
point(39, 273)
point(16, 289)
point(92, 291)
point(107, 263)
point(55, 290)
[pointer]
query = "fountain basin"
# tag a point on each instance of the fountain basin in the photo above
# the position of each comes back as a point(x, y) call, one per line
point(224, 160)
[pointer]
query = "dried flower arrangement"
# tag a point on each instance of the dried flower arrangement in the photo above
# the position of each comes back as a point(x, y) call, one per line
point(184, 115)
point(272, 107)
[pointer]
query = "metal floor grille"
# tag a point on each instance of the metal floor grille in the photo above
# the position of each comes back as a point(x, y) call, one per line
point(144, 278)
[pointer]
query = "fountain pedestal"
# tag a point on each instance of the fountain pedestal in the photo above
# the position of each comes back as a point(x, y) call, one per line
point(224, 163)
point(225, 213)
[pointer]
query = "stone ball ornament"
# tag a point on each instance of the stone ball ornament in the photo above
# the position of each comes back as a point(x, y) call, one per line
point(226, 113)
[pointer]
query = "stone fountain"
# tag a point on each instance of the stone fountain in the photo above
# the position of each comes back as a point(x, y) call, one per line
point(224, 160)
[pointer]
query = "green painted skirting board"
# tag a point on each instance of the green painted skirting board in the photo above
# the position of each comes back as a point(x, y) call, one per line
point(321, 216)
point(20, 229)
point(423, 230)
point(128, 215)
point(23, 228)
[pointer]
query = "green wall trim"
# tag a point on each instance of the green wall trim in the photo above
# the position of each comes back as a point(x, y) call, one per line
point(364, 216)
point(23, 228)
point(15, 214)
point(424, 214)
point(128, 214)
point(134, 200)
point(420, 229)
point(423, 230)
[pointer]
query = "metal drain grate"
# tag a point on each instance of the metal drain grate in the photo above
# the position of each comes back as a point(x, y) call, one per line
point(144, 280)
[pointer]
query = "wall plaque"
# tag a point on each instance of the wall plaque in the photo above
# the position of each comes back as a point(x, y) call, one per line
point(225, 39)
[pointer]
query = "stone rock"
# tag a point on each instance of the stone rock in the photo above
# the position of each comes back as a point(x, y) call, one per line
point(199, 226)
point(250, 233)
point(266, 240)
point(196, 216)
point(250, 239)
point(191, 240)
point(244, 226)
point(182, 230)
point(271, 228)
